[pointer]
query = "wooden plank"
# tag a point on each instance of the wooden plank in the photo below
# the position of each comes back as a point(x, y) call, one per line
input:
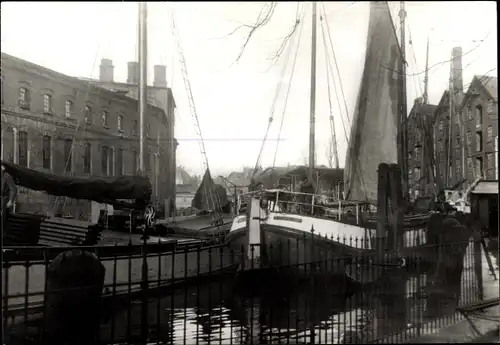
point(51, 243)
point(70, 222)
point(62, 233)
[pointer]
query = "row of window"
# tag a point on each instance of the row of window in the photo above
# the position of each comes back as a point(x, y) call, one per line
point(24, 102)
point(472, 171)
point(112, 163)
point(479, 166)
point(478, 115)
point(479, 121)
point(479, 140)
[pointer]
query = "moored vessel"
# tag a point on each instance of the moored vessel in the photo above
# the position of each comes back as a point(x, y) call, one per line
point(281, 227)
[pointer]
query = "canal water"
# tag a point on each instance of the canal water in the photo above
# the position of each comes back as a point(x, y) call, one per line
point(230, 311)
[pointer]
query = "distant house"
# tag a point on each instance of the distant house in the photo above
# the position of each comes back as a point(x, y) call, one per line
point(186, 187)
point(236, 181)
point(240, 180)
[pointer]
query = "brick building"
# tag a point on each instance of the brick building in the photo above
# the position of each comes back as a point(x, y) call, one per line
point(446, 146)
point(421, 148)
point(60, 124)
point(159, 95)
point(479, 111)
point(462, 134)
point(464, 139)
point(447, 128)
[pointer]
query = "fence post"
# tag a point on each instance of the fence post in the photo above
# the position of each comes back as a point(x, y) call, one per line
point(75, 281)
point(144, 288)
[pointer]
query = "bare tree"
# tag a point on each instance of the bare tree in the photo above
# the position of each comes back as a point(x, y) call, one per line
point(263, 18)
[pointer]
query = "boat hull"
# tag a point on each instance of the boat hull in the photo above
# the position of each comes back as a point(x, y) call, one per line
point(292, 252)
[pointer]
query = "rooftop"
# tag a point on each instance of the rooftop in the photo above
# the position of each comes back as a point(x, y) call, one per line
point(49, 73)
point(126, 86)
point(490, 84)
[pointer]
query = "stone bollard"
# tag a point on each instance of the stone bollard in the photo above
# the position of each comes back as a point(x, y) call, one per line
point(75, 280)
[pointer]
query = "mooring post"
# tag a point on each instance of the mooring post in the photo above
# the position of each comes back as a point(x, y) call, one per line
point(397, 310)
point(380, 241)
point(389, 302)
point(397, 208)
point(75, 281)
point(382, 209)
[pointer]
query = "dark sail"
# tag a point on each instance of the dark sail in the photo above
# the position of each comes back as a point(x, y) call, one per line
point(106, 190)
point(374, 130)
point(210, 196)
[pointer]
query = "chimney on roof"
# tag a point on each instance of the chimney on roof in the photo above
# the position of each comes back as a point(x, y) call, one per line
point(106, 73)
point(456, 70)
point(160, 76)
point(133, 72)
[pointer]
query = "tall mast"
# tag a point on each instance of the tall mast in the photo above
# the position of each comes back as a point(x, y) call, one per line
point(426, 78)
point(312, 118)
point(143, 74)
point(403, 147)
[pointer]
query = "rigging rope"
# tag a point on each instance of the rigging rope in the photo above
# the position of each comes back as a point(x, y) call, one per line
point(187, 85)
point(288, 90)
point(332, 120)
point(273, 106)
point(335, 61)
point(80, 121)
point(323, 27)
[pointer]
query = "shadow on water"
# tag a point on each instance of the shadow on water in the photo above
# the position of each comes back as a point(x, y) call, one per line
point(259, 309)
point(242, 311)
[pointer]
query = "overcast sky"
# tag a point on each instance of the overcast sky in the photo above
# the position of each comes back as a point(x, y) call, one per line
point(234, 101)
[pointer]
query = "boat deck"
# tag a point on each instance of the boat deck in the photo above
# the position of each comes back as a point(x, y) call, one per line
point(110, 237)
point(185, 230)
point(198, 227)
point(192, 223)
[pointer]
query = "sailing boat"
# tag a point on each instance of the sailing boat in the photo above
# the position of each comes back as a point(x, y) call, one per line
point(275, 231)
point(161, 261)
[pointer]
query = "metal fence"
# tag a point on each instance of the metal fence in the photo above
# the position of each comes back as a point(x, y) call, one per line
point(218, 295)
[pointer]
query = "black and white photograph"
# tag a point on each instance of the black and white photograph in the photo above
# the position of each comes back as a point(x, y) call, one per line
point(251, 173)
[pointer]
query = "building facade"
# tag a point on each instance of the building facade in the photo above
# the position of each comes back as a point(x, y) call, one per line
point(60, 124)
point(479, 111)
point(159, 95)
point(463, 141)
point(421, 175)
point(446, 148)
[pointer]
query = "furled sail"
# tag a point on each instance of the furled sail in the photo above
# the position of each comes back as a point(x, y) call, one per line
point(107, 190)
point(210, 196)
point(374, 128)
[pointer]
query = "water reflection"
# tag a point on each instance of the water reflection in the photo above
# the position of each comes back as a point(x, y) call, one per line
point(258, 311)
point(229, 311)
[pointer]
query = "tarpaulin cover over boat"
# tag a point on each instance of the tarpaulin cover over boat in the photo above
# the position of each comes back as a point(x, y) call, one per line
point(100, 189)
point(374, 129)
point(269, 177)
point(209, 196)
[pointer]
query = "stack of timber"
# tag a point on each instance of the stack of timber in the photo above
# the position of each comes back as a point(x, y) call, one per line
point(21, 229)
point(68, 232)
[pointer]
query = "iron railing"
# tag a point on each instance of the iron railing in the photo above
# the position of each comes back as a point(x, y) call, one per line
point(219, 295)
point(305, 203)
